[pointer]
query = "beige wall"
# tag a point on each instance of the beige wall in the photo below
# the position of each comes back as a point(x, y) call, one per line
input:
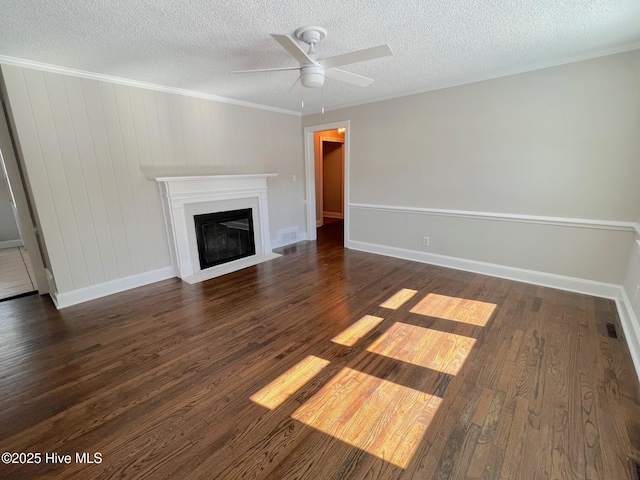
point(558, 142)
point(85, 142)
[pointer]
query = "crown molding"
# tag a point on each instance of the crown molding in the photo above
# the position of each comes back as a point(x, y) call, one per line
point(481, 78)
point(45, 67)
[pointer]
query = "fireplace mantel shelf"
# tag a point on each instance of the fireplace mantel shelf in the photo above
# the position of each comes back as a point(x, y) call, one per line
point(192, 178)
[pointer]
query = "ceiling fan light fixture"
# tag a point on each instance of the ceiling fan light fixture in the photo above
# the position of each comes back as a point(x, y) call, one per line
point(312, 76)
point(313, 69)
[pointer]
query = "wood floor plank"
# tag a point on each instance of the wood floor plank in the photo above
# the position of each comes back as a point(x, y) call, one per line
point(520, 381)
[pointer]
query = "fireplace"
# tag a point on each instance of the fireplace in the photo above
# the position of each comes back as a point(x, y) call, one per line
point(236, 241)
point(224, 236)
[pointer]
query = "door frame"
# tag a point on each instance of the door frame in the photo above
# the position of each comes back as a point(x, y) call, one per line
point(26, 222)
point(310, 180)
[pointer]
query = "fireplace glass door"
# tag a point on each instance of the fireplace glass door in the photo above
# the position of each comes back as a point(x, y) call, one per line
point(224, 236)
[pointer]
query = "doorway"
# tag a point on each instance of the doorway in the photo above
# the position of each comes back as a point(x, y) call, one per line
point(329, 166)
point(28, 256)
point(16, 273)
point(327, 173)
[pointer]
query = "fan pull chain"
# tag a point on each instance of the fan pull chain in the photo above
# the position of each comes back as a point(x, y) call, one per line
point(322, 101)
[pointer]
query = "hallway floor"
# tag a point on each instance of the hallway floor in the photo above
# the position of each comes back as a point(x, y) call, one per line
point(16, 273)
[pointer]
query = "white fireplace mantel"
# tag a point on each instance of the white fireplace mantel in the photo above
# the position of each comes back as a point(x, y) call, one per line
point(178, 192)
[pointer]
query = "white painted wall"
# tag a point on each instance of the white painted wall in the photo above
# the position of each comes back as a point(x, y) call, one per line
point(85, 143)
point(558, 142)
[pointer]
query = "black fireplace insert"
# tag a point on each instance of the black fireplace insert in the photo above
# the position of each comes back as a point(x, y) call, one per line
point(224, 236)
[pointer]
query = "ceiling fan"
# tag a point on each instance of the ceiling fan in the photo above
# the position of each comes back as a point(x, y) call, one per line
point(313, 70)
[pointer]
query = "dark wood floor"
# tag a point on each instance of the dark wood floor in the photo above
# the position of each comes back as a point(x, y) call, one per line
point(159, 380)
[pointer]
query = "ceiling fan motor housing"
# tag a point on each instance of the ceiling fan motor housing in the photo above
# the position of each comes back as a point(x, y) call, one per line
point(312, 76)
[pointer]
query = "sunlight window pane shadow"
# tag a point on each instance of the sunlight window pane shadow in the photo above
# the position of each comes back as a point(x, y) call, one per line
point(441, 351)
point(399, 298)
point(350, 336)
point(472, 312)
point(277, 392)
point(382, 418)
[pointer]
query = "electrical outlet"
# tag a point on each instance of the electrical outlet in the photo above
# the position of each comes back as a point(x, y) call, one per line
point(295, 178)
point(425, 241)
point(637, 294)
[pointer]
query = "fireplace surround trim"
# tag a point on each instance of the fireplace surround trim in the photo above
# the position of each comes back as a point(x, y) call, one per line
point(176, 192)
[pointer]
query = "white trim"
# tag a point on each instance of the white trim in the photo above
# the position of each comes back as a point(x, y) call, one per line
point(45, 67)
point(177, 192)
point(11, 244)
point(51, 287)
point(630, 326)
point(309, 162)
point(66, 299)
point(506, 217)
point(571, 284)
point(481, 78)
point(199, 178)
point(628, 320)
point(51, 283)
point(636, 227)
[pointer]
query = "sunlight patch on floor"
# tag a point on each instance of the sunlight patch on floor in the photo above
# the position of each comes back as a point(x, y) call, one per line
point(382, 418)
point(398, 299)
point(355, 332)
point(441, 351)
point(456, 309)
point(278, 391)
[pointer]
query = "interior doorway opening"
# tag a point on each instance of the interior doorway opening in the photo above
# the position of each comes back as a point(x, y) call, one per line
point(329, 165)
point(17, 278)
point(32, 253)
point(327, 159)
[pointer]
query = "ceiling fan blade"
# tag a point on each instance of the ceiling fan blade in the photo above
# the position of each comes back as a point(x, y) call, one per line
point(279, 69)
point(291, 46)
point(348, 77)
point(357, 56)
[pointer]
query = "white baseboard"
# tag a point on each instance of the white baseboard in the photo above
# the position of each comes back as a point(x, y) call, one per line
point(11, 243)
point(66, 299)
point(571, 284)
point(630, 326)
point(628, 320)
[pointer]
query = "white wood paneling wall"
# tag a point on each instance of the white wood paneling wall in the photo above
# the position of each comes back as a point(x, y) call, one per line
point(84, 143)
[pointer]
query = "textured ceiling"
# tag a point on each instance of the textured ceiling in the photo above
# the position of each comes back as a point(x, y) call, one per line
point(193, 44)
